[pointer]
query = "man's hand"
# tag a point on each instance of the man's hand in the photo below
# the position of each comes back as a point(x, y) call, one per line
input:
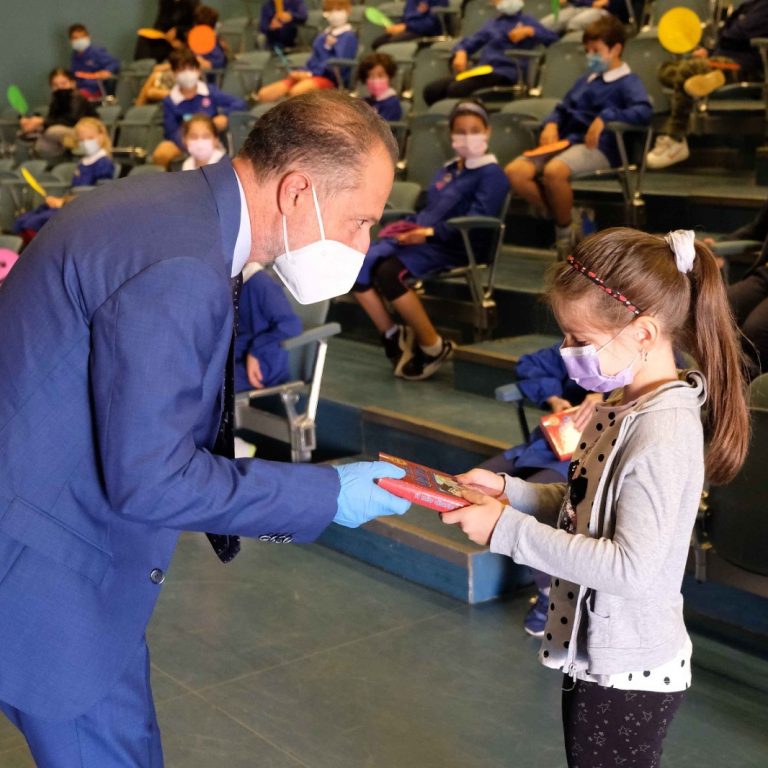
point(460, 61)
point(479, 520)
point(395, 29)
point(360, 499)
point(520, 32)
point(549, 134)
point(253, 370)
point(592, 135)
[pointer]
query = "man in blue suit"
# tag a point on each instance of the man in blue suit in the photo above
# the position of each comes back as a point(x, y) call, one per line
point(117, 324)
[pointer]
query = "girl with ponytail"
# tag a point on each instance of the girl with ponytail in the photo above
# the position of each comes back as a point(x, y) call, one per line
point(616, 535)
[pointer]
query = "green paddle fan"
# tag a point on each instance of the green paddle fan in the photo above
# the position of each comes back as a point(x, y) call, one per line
point(375, 16)
point(556, 9)
point(16, 99)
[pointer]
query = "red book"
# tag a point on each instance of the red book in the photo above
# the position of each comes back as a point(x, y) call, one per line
point(428, 487)
point(561, 433)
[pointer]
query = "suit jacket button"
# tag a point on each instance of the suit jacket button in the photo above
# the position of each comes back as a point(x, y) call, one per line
point(156, 576)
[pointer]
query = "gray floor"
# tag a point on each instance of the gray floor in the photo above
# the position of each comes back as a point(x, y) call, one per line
point(298, 656)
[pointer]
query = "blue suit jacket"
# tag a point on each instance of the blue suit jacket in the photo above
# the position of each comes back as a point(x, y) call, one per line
point(116, 327)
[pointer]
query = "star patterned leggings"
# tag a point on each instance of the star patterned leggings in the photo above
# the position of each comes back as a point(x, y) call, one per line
point(608, 727)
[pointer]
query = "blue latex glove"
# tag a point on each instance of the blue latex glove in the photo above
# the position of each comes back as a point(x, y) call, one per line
point(360, 499)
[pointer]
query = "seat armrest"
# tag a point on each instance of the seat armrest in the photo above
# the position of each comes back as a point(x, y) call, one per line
point(735, 247)
point(509, 393)
point(243, 398)
point(312, 335)
point(474, 222)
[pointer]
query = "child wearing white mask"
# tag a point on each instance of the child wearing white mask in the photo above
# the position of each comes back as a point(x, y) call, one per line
point(96, 165)
point(337, 41)
point(191, 95)
point(90, 63)
point(202, 143)
point(472, 184)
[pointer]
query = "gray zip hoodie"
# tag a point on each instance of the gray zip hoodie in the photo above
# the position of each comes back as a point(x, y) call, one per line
point(629, 610)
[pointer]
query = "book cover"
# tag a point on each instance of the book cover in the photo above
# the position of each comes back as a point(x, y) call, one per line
point(561, 433)
point(429, 487)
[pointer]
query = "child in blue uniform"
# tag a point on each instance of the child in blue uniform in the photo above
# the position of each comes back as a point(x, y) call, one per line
point(93, 141)
point(190, 96)
point(281, 29)
point(577, 15)
point(89, 62)
point(471, 185)
point(265, 320)
point(418, 21)
point(376, 71)
point(217, 58)
point(608, 91)
point(337, 41)
point(511, 30)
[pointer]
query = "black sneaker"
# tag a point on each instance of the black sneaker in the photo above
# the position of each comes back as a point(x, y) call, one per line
point(422, 366)
point(399, 347)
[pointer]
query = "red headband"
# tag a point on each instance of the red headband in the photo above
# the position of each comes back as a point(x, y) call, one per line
point(598, 281)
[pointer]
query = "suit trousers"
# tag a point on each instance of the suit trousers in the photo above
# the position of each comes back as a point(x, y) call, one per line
point(120, 731)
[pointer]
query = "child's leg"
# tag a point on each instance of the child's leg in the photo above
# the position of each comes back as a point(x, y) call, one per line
point(164, 153)
point(303, 86)
point(374, 307)
point(673, 75)
point(521, 173)
point(275, 91)
point(556, 180)
point(603, 725)
point(410, 308)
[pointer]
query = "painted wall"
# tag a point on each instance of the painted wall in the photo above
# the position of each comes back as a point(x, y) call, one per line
point(33, 35)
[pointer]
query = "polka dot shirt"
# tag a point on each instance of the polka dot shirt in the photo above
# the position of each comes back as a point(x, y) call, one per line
point(585, 471)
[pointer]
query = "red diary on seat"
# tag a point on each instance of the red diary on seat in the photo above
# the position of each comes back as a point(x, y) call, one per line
point(428, 487)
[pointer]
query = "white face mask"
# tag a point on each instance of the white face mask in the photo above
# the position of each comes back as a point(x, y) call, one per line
point(81, 44)
point(510, 7)
point(90, 146)
point(320, 270)
point(337, 18)
point(470, 145)
point(187, 78)
point(200, 149)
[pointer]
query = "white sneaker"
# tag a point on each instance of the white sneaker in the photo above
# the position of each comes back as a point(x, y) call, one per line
point(667, 152)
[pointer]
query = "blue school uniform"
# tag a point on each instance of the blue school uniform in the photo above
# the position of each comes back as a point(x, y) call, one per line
point(265, 319)
point(614, 95)
point(748, 21)
point(285, 37)
point(209, 100)
point(216, 58)
point(493, 38)
point(86, 175)
point(540, 376)
point(92, 59)
point(425, 24)
point(454, 191)
point(387, 105)
point(345, 47)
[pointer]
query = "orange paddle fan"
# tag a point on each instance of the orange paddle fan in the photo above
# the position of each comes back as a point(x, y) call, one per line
point(548, 149)
point(201, 39)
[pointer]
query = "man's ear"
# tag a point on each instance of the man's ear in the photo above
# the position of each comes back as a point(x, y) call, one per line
point(290, 190)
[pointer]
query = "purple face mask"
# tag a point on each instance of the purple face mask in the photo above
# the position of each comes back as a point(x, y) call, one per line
point(583, 366)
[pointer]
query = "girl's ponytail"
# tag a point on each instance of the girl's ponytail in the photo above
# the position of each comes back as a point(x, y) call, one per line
point(713, 341)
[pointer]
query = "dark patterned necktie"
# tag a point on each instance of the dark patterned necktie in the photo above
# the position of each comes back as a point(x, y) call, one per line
point(224, 545)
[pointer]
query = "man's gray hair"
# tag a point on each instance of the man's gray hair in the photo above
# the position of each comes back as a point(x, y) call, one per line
point(325, 133)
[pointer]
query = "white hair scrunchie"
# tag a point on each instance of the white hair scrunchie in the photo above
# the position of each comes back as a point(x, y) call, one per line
point(681, 243)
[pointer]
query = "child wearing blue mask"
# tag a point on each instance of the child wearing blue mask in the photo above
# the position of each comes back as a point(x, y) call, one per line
point(615, 536)
point(95, 165)
point(337, 41)
point(510, 30)
point(608, 91)
point(418, 20)
point(90, 63)
point(473, 184)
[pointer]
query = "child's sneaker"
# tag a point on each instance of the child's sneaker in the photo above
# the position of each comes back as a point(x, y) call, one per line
point(536, 618)
point(667, 152)
point(399, 347)
point(421, 366)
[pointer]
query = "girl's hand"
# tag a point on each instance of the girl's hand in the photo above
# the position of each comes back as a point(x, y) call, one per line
point(582, 416)
point(253, 369)
point(484, 478)
point(479, 520)
point(558, 404)
point(395, 29)
point(592, 135)
point(520, 32)
point(221, 122)
point(287, 18)
point(54, 202)
point(460, 61)
point(549, 134)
